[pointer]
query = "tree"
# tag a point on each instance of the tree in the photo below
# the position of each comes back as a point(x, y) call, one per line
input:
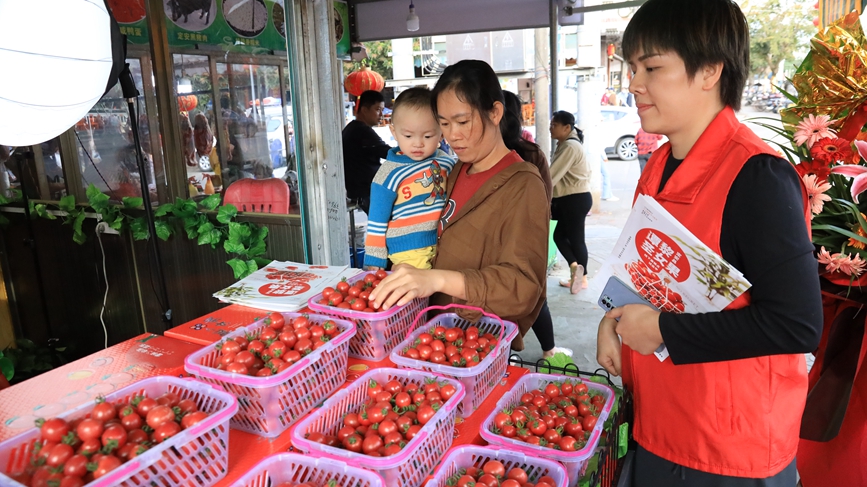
point(378, 59)
point(778, 30)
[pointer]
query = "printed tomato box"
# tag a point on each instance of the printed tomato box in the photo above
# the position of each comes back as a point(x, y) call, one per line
point(101, 373)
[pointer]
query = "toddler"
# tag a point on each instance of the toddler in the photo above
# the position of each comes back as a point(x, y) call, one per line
point(408, 192)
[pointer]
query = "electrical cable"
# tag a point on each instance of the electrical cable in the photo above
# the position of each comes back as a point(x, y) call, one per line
point(105, 275)
point(91, 162)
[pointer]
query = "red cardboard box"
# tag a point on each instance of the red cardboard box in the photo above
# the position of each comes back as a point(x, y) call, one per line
point(75, 383)
point(212, 327)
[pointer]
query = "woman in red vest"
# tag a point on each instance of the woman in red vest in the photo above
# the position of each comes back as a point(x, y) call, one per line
point(725, 408)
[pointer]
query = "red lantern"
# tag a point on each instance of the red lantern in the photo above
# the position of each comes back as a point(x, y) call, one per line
point(362, 80)
point(187, 102)
point(610, 50)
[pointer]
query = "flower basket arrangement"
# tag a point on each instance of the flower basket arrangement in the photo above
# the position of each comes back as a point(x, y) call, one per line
point(829, 146)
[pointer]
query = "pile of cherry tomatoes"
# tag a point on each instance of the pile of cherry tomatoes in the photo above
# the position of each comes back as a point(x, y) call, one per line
point(560, 416)
point(74, 453)
point(275, 348)
point(452, 346)
point(393, 415)
point(493, 474)
point(353, 296)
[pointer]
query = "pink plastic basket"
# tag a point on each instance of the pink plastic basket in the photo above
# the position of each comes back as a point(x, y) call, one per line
point(295, 468)
point(478, 380)
point(198, 456)
point(416, 461)
point(268, 406)
point(575, 462)
point(378, 333)
point(476, 456)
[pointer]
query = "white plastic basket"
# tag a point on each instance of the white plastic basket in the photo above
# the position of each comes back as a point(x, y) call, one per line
point(575, 462)
point(416, 461)
point(479, 379)
point(292, 467)
point(268, 406)
point(378, 333)
point(198, 456)
point(476, 456)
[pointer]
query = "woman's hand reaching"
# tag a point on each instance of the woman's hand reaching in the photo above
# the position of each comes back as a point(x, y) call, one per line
point(406, 283)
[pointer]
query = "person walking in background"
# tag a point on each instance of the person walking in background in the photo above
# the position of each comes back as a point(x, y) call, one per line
point(647, 143)
point(511, 126)
point(570, 174)
point(625, 98)
point(363, 148)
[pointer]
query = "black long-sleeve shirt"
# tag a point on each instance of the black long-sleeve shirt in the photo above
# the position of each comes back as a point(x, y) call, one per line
point(764, 236)
point(362, 151)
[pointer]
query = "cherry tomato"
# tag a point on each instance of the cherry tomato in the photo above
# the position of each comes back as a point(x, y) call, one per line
point(159, 416)
point(75, 466)
point(190, 419)
point(105, 465)
point(188, 406)
point(137, 436)
point(89, 429)
point(230, 346)
point(518, 474)
point(327, 292)
point(114, 436)
point(275, 321)
point(371, 444)
point(59, 454)
point(144, 405)
point(237, 368)
point(131, 421)
point(589, 422)
point(54, 429)
point(166, 431)
point(103, 411)
point(169, 399)
point(495, 468)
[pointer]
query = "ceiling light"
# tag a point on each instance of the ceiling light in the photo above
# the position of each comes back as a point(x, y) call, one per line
point(412, 19)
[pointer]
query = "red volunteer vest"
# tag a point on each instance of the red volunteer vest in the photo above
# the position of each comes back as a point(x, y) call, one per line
point(742, 417)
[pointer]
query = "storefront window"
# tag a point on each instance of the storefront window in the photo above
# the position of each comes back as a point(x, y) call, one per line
point(261, 138)
point(198, 124)
point(20, 168)
point(106, 151)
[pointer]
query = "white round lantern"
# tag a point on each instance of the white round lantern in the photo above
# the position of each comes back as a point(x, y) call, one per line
point(56, 57)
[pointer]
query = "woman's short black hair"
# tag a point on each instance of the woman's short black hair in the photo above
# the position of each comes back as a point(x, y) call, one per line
point(474, 83)
point(701, 32)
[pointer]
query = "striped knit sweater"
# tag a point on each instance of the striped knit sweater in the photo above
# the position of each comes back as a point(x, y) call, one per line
point(406, 199)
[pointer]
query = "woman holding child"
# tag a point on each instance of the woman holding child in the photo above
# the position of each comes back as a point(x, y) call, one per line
point(493, 231)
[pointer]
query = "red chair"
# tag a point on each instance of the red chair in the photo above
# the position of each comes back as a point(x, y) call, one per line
point(259, 195)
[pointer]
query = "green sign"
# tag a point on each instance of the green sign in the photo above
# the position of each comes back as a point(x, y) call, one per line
point(251, 26)
point(132, 19)
point(341, 29)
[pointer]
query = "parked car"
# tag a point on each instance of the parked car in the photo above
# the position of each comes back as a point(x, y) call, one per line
point(617, 129)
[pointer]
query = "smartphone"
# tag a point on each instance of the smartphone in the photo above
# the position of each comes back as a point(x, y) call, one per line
point(617, 293)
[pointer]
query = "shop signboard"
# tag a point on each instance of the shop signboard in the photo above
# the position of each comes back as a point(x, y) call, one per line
point(341, 29)
point(132, 19)
point(250, 26)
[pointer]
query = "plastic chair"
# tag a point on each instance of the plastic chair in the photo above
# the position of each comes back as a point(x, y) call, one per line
point(259, 195)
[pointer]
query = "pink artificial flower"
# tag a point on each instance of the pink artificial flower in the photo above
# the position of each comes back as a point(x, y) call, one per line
point(813, 128)
point(816, 192)
point(831, 262)
point(852, 267)
point(859, 172)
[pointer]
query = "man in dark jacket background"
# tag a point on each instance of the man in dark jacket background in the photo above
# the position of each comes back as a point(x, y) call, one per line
point(363, 148)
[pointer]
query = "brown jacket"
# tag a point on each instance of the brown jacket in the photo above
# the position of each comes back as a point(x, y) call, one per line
point(499, 242)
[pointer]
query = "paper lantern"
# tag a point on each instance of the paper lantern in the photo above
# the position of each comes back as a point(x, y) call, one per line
point(187, 102)
point(62, 52)
point(362, 80)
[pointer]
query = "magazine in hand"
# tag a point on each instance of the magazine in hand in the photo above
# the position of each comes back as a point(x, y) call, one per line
point(283, 286)
point(667, 265)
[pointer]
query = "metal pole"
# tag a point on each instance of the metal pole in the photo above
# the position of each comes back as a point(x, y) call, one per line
point(555, 65)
